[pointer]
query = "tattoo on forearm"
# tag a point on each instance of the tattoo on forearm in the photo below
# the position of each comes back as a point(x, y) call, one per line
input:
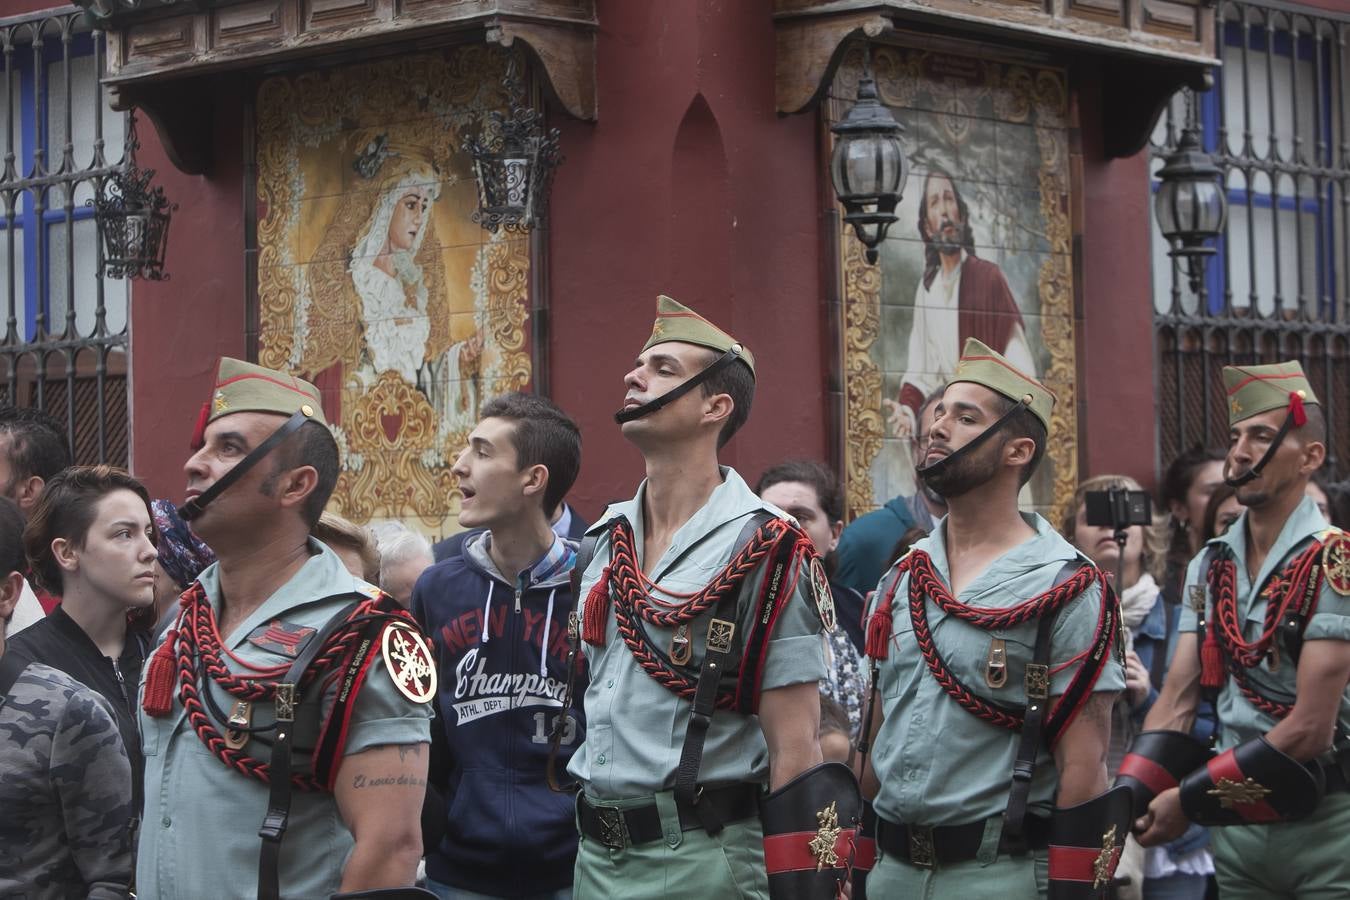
point(406, 750)
point(400, 780)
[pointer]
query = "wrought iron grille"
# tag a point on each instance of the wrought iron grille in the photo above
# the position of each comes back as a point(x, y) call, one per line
point(65, 344)
point(1278, 124)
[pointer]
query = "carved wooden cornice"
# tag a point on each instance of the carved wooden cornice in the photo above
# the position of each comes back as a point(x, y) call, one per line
point(1146, 49)
point(162, 52)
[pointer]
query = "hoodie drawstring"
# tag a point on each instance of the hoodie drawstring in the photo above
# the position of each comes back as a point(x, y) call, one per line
point(487, 611)
point(543, 644)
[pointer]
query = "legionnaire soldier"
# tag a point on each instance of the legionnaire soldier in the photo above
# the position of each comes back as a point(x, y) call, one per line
point(1267, 630)
point(701, 620)
point(289, 699)
point(994, 647)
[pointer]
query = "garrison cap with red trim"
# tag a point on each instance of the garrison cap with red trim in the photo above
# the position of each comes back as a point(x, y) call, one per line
point(245, 387)
point(979, 364)
point(677, 322)
point(1253, 390)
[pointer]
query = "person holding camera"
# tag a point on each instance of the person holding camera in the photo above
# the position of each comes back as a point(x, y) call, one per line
point(1266, 633)
point(996, 647)
point(1104, 510)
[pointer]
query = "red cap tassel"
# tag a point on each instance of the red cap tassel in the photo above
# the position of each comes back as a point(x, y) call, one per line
point(595, 615)
point(1211, 661)
point(199, 430)
point(158, 699)
point(1296, 409)
point(878, 645)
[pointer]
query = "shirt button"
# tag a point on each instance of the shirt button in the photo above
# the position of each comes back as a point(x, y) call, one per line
point(166, 821)
point(610, 683)
point(600, 760)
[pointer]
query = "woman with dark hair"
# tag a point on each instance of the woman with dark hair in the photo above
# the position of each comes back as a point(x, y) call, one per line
point(91, 540)
point(1186, 487)
point(1221, 512)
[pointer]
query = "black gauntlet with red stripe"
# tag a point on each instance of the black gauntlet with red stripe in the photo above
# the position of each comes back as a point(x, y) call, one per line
point(1085, 845)
point(1252, 784)
point(1156, 762)
point(810, 833)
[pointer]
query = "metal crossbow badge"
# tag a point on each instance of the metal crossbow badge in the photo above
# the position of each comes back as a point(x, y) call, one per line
point(408, 660)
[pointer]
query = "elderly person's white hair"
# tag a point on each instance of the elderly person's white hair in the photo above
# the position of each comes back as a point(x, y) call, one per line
point(404, 554)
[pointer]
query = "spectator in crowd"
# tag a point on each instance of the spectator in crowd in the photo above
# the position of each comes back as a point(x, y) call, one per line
point(1317, 490)
point(1186, 487)
point(566, 523)
point(1150, 627)
point(836, 732)
point(1221, 511)
point(1338, 493)
point(869, 538)
point(404, 556)
point(497, 614)
point(182, 556)
point(353, 544)
point(33, 448)
point(91, 540)
point(65, 792)
point(809, 492)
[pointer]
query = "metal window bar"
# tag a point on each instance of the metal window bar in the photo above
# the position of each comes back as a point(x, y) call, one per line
point(64, 348)
point(1278, 125)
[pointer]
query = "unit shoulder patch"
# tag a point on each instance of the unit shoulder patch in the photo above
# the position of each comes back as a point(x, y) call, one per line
point(408, 660)
point(1336, 562)
point(821, 595)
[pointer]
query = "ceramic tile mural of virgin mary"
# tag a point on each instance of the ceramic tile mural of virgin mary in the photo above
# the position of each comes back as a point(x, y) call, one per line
point(373, 281)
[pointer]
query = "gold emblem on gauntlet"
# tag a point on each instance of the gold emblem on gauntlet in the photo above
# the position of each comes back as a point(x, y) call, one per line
point(822, 845)
point(1231, 793)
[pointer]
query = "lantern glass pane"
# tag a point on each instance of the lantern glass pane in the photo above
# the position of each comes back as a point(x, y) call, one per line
point(1208, 207)
point(1163, 204)
point(856, 166)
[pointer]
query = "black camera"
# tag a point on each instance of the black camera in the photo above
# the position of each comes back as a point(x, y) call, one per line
point(1118, 508)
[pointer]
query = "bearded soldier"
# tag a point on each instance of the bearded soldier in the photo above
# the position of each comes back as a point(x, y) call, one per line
point(289, 699)
point(993, 643)
point(701, 619)
point(1267, 633)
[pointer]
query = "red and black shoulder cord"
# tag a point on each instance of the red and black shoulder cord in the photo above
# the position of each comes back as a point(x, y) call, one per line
point(782, 544)
point(924, 584)
point(1291, 599)
point(192, 653)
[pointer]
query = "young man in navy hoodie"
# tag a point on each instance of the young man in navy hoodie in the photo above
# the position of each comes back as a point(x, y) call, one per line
point(497, 614)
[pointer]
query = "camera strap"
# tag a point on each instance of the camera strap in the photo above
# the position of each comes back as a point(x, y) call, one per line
point(937, 468)
point(1254, 472)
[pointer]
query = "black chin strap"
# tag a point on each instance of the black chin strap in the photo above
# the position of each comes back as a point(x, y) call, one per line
point(646, 409)
point(194, 507)
point(1254, 472)
point(937, 468)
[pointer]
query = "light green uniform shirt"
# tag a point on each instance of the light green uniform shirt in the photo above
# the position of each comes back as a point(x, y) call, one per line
point(635, 727)
point(199, 834)
point(938, 764)
point(1331, 621)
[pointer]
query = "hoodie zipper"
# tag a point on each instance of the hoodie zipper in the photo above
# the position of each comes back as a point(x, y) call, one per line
point(518, 593)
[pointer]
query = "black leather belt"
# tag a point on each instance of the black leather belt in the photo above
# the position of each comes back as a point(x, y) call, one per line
point(927, 846)
point(620, 828)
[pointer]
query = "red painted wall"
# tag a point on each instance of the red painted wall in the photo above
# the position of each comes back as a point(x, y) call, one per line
point(688, 185)
point(1116, 415)
point(180, 326)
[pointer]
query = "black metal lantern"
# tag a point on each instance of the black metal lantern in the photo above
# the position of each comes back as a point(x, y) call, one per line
point(1190, 204)
point(513, 159)
point(868, 165)
point(132, 217)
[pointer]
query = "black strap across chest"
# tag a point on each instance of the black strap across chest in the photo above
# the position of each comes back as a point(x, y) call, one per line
point(280, 788)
